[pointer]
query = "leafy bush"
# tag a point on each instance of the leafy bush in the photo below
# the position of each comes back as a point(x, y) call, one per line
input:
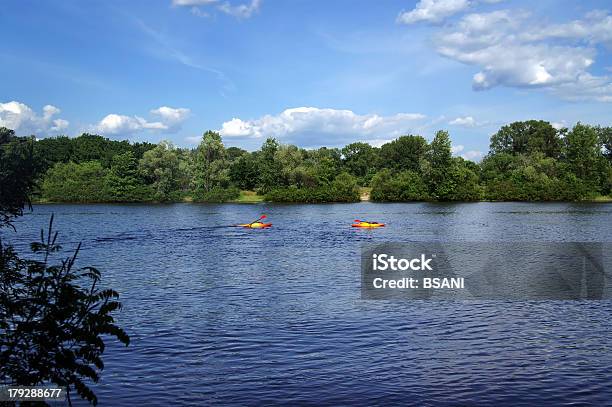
point(460, 184)
point(342, 189)
point(71, 182)
point(532, 178)
point(398, 187)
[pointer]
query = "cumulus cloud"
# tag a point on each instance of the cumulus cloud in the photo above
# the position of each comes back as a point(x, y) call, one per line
point(171, 117)
point(467, 121)
point(22, 118)
point(559, 125)
point(514, 49)
point(457, 149)
point(312, 126)
point(240, 11)
point(434, 11)
point(472, 155)
point(169, 120)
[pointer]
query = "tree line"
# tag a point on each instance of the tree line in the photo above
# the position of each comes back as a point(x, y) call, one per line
point(527, 161)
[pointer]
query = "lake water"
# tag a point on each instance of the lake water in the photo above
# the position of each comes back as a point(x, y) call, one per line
point(222, 315)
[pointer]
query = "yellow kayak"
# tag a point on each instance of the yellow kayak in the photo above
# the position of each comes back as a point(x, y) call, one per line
point(256, 225)
point(368, 225)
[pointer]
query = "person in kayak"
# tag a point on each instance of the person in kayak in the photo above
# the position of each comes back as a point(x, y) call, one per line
point(257, 224)
point(366, 224)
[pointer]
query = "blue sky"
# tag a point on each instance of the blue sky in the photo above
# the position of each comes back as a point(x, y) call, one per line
point(308, 72)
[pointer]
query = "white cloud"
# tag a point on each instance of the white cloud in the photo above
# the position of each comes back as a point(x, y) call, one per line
point(240, 11)
point(457, 149)
point(311, 126)
point(514, 49)
point(21, 118)
point(170, 120)
point(432, 11)
point(192, 2)
point(472, 155)
point(559, 125)
point(467, 121)
point(171, 116)
point(596, 27)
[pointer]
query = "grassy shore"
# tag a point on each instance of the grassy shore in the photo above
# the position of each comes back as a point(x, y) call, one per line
point(248, 197)
point(364, 194)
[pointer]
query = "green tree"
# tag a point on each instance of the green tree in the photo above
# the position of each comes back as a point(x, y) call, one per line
point(460, 183)
point(269, 168)
point(527, 137)
point(161, 168)
point(211, 168)
point(321, 166)
point(404, 153)
point(243, 172)
point(582, 151)
point(289, 160)
point(90, 147)
point(18, 170)
point(361, 160)
point(71, 182)
point(398, 187)
point(53, 150)
point(345, 188)
point(604, 135)
point(233, 153)
point(440, 165)
point(122, 181)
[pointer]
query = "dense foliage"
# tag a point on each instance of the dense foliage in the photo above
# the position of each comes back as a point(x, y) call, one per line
point(18, 170)
point(342, 189)
point(54, 318)
point(528, 160)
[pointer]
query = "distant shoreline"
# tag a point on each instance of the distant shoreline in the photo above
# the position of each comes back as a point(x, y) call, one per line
point(599, 200)
point(252, 197)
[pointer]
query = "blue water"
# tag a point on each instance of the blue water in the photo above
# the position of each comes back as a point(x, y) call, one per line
point(229, 316)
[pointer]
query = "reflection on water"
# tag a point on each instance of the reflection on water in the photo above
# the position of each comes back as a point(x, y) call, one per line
point(225, 315)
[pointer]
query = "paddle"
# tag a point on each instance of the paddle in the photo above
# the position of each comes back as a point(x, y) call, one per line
point(260, 218)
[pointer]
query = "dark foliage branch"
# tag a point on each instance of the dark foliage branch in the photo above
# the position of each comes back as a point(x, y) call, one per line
point(18, 171)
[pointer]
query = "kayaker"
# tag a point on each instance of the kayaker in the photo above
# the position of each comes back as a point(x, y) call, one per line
point(257, 224)
point(366, 224)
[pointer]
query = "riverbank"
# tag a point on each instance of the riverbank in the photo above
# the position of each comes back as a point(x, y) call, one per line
point(252, 197)
point(248, 197)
